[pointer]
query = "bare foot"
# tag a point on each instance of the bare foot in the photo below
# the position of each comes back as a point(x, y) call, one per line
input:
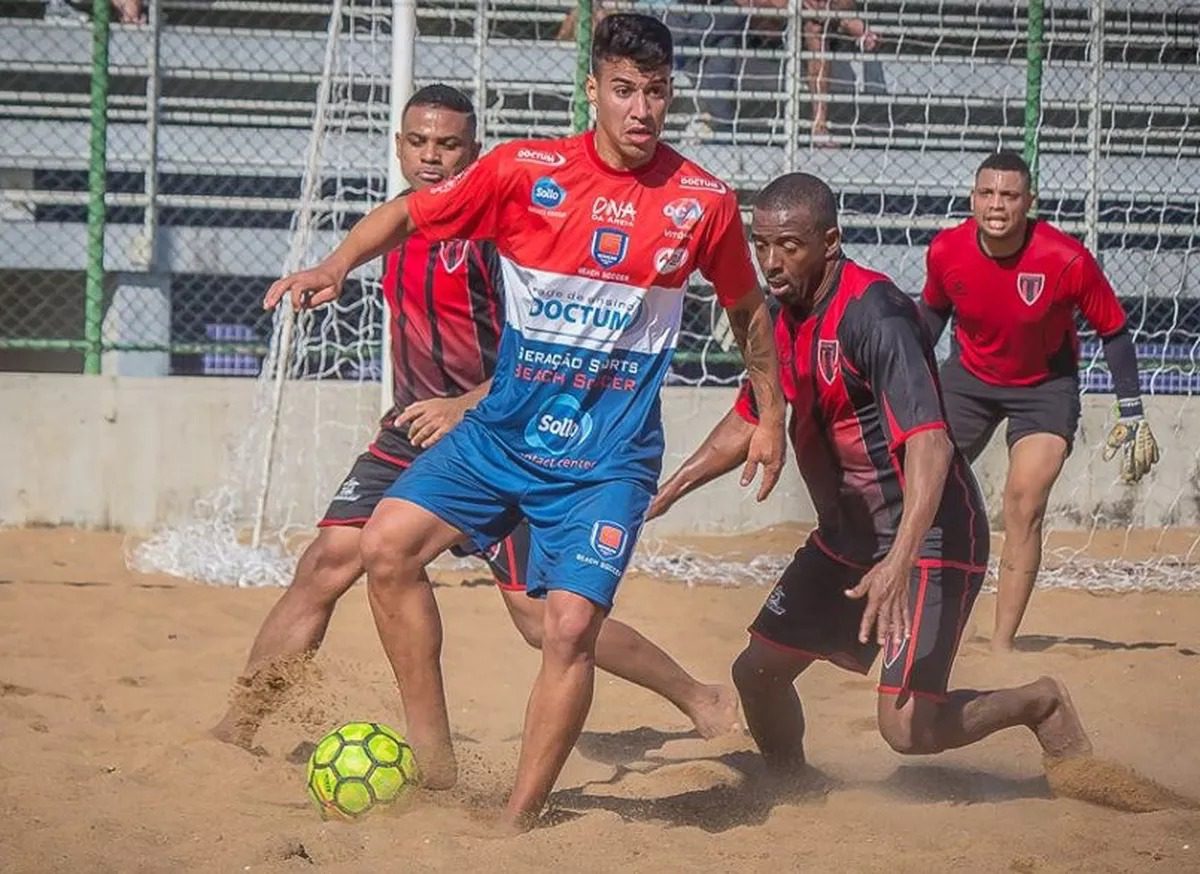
point(715, 711)
point(438, 769)
point(1061, 733)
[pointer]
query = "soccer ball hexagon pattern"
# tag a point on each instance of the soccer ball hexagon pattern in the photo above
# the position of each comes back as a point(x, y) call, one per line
point(357, 768)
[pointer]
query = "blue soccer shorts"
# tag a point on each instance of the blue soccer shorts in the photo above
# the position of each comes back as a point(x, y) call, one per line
point(581, 534)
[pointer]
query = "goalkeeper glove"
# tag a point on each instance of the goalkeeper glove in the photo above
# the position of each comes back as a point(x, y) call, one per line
point(1132, 441)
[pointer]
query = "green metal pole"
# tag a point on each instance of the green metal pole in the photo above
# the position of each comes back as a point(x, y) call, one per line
point(1033, 85)
point(581, 117)
point(93, 305)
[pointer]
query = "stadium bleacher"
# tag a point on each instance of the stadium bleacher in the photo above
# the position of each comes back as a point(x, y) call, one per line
point(238, 79)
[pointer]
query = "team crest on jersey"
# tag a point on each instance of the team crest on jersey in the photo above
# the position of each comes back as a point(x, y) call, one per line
point(670, 260)
point(609, 246)
point(453, 253)
point(608, 539)
point(827, 360)
point(684, 212)
point(1029, 286)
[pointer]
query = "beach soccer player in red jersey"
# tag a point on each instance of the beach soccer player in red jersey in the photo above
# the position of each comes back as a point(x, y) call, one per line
point(597, 235)
point(901, 543)
point(447, 313)
point(1014, 286)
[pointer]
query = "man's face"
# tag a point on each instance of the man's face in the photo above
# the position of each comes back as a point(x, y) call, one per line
point(1000, 201)
point(792, 253)
point(631, 107)
point(433, 144)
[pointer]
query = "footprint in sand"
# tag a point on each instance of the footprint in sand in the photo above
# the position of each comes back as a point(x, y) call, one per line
point(1100, 781)
point(670, 780)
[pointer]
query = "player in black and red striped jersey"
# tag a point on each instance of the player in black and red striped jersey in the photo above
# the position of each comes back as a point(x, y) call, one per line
point(901, 543)
point(1014, 286)
point(446, 310)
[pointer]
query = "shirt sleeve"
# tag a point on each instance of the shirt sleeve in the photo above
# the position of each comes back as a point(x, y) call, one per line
point(724, 255)
point(464, 207)
point(1095, 297)
point(745, 405)
point(934, 295)
point(884, 340)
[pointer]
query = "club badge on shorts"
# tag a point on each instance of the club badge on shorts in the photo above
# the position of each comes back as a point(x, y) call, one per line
point(1029, 286)
point(609, 539)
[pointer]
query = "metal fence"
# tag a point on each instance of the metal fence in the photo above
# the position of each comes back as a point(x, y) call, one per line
point(152, 173)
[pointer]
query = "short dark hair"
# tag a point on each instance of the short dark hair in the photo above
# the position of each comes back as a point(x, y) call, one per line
point(1009, 162)
point(639, 38)
point(801, 190)
point(446, 97)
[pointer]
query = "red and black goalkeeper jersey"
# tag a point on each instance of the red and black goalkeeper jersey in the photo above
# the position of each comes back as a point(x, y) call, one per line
point(446, 311)
point(861, 379)
point(1015, 317)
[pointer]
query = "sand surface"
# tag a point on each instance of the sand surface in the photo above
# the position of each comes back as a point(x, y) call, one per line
point(108, 680)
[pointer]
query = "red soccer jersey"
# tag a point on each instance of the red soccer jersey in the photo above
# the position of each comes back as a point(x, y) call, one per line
point(1015, 316)
point(595, 262)
point(446, 312)
point(861, 379)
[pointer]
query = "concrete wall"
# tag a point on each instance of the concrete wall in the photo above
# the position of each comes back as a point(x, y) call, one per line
point(134, 453)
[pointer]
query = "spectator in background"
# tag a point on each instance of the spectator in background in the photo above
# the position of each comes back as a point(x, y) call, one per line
point(823, 34)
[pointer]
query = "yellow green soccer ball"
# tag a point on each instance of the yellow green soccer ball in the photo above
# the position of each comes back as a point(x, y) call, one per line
point(358, 767)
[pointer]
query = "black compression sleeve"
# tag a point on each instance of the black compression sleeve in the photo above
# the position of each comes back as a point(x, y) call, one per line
point(935, 320)
point(1122, 364)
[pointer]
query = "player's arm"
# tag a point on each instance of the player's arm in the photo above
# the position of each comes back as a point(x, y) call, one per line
point(751, 323)
point(1130, 438)
point(927, 457)
point(465, 206)
point(430, 420)
point(383, 228)
point(726, 447)
point(883, 338)
point(935, 306)
point(724, 258)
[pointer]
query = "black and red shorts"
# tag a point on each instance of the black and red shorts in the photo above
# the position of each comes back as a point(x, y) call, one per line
point(974, 408)
point(808, 613)
point(373, 474)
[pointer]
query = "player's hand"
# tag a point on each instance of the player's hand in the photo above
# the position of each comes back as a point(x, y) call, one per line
point(767, 448)
point(869, 41)
point(307, 289)
point(1133, 442)
point(662, 501)
point(430, 420)
point(885, 587)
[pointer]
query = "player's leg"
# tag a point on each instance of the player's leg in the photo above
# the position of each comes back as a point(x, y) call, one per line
point(1041, 428)
point(805, 617)
point(620, 649)
point(397, 543)
point(296, 624)
point(765, 674)
point(918, 725)
point(442, 496)
point(558, 703)
point(582, 537)
point(1034, 463)
point(917, 715)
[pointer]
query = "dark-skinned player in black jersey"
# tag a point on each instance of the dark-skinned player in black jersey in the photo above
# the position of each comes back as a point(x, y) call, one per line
point(444, 300)
point(901, 542)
